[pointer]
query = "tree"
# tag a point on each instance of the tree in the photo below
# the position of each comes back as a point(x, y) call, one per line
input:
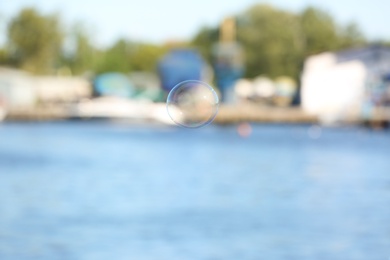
point(276, 42)
point(204, 41)
point(116, 58)
point(272, 40)
point(144, 57)
point(35, 41)
point(319, 31)
point(3, 56)
point(351, 36)
point(82, 56)
point(125, 56)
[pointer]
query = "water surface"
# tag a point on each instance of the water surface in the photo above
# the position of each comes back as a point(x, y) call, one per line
point(90, 190)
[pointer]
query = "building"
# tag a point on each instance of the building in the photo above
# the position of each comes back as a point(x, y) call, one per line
point(180, 65)
point(19, 89)
point(16, 88)
point(228, 60)
point(346, 85)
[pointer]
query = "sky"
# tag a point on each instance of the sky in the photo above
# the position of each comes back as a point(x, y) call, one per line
point(158, 21)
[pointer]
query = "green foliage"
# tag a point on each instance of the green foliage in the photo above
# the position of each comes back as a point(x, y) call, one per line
point(124, 56)
point(84, 56)
point(3, 57)
point(34, 41)
point(115, 58)
point(351, 36)
point(319, 31)
point(276, 42)
point(144, 57)
point(272, 40)
point(204, 41)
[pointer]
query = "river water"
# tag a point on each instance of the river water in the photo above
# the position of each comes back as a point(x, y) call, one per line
point(98, 190)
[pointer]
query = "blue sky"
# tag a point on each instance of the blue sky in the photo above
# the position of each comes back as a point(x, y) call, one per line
point(158, 21)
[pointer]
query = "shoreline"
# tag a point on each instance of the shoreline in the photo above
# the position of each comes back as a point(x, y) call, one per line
point(227, 115)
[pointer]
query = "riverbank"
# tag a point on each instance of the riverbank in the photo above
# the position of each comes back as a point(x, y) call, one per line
point(152, 113)
point(263, 114)
point(227, 114)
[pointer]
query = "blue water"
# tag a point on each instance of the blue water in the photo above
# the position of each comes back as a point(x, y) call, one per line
point(90, 190)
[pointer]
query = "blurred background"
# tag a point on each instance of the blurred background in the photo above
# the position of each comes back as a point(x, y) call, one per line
point(294, 166)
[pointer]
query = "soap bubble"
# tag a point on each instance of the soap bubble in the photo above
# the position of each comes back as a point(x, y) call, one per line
point(192, 104)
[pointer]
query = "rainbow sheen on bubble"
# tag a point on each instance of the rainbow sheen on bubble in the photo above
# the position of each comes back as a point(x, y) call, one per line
point(192, 104)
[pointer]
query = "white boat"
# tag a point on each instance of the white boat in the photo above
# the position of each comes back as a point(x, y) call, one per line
point(3, 110)
point(121, 108)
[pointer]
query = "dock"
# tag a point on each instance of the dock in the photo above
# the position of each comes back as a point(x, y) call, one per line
point(156, 113)
point(227, 114)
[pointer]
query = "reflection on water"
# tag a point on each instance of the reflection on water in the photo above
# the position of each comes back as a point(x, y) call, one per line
point(101, 191)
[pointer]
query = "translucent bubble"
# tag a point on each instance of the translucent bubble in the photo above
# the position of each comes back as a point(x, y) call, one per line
point(192, 104)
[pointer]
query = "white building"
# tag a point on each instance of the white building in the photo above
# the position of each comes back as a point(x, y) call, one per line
point(20, 89)
point(339, 86)
point(59, 89)
point(16, 88)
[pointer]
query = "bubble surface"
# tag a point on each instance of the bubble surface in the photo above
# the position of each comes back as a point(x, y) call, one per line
point(192, 104)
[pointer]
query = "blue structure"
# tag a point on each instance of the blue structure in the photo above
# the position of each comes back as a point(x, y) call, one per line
point(113, 84)
point(180, 65)
point(228, 67)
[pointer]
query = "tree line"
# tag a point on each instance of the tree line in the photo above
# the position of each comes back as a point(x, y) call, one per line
point(40, 44)
point(275, 42)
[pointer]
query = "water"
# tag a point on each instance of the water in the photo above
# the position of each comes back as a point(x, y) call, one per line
point(113, 191)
